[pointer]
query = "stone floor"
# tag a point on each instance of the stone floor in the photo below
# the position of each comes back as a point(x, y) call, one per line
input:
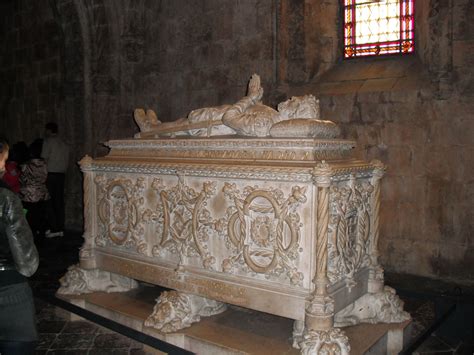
point(426, 300)
point(58, 335)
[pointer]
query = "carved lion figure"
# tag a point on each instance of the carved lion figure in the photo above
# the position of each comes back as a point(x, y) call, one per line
point(175, 310)
point(73, 282)
point(77, 281)
point(381, 307)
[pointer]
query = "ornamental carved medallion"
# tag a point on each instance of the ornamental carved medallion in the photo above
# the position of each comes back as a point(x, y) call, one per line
point(183, 222)
point(119, 202)
point(263, 230)
point(349, 230)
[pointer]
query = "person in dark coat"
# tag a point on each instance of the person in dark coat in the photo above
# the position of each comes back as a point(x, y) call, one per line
point(18, 260)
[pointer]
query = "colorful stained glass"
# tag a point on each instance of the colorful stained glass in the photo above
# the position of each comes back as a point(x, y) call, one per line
point(378, 27)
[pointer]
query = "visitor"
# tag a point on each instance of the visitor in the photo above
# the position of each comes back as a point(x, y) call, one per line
point(17, 156)
point(18, 260)
point(33, 191)
point(56, 154)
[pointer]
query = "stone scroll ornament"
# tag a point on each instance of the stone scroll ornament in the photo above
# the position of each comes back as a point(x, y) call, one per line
point(176, 310)
point(119, 204)
point(264, 231)
point(296, 117)
point(78, 281)
point(183, 221)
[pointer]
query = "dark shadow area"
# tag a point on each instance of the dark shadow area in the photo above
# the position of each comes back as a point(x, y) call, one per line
point(60, 328)
point(442, 312)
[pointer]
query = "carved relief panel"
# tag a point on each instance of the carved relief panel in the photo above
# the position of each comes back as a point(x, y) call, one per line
point(182, 222)
point(263, 231)
point(349, 229)
point(119, 204)
point(217, 225)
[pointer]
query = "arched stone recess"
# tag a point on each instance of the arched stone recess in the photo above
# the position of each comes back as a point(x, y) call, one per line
point(74, 105)
point(95, 98)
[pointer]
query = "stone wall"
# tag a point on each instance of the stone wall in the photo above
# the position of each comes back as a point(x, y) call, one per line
point(103, 58)
point(30, 72)
point(416, 115)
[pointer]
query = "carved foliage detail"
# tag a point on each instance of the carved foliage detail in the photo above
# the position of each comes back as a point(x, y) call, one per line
point(332, 341)
point(349, 230)
point(183, 220)
point(119, 203)
point(263, 230)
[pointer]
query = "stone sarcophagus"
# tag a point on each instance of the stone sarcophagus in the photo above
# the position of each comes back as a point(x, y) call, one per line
point(284, 225)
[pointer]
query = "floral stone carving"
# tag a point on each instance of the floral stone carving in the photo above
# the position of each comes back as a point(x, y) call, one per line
point(325, 342)
point(349, 230)
point(176, 310)
point(183, 221)
point(263, 230)
point(77, 281)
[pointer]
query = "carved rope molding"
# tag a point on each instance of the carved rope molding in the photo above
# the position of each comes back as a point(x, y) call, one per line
point(376, 277)
point(320, 308)
point(379, 171)
point(319, 335)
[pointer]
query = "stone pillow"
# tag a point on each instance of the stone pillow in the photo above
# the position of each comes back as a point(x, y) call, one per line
point(305, 128)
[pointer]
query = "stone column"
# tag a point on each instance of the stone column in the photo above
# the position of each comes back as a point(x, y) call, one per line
point(86, 254)
point(319, 335)
point(376, 278)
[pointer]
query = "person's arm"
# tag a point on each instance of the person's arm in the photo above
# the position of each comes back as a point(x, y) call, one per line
point(20, 237)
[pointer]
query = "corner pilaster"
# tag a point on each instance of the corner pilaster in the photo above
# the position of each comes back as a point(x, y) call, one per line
point(376, 277)
point(86, 253)
point(319, 335)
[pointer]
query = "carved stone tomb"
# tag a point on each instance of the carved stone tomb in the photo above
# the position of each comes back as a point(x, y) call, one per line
point(287, 226)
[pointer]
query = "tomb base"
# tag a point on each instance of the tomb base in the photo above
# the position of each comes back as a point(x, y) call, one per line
point(235, 331)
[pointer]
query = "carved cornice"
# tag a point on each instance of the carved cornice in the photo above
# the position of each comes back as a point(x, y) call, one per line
point(183, 143)
point(206, 170)
point(275, 173)
point(234, 148)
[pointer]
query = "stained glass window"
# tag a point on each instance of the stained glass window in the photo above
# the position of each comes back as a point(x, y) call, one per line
point(378, 27)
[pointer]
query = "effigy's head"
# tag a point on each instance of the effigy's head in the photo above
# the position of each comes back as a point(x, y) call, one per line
point(300, 107)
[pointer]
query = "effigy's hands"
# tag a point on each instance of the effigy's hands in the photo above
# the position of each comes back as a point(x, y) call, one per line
point(255, 90)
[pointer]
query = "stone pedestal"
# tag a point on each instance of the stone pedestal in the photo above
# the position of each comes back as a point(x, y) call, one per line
point(235, 331)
